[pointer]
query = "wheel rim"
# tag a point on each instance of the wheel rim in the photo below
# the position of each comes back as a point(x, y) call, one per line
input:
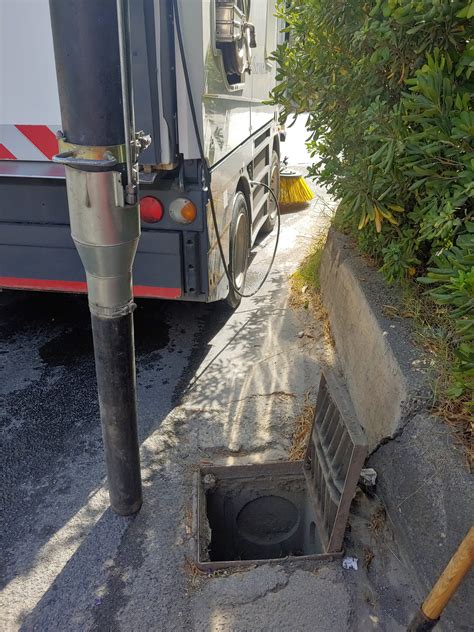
point(275, 187)
point(240, 250)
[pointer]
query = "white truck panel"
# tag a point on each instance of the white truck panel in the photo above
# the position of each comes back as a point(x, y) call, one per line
point(227, 116)
point(28, 86)
point(194, 14)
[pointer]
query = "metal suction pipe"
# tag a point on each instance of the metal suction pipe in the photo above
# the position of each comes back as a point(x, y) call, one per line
point(91, 52)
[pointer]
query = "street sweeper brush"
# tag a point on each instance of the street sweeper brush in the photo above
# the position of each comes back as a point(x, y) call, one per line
point(293, 188)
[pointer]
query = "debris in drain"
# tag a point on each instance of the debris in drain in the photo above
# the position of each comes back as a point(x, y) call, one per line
point(368, 480)
point(368, 475)
point(350, 563)
point(209, 481)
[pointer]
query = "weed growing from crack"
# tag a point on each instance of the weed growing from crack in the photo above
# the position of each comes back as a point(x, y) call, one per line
point(377, 522)
point(368, 557)
point(435, 333)
point(301, 431)
point(196, 574)
point(306, 287)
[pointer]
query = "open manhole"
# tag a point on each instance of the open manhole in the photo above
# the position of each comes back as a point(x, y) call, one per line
point(287, 509)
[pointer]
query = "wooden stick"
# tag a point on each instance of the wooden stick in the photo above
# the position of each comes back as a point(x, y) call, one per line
point(458, 567)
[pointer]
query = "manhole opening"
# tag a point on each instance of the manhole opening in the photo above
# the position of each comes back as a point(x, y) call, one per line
point(286, 509)
point(251, 516)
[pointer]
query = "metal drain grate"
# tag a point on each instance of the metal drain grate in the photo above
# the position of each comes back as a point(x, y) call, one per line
point(336, 452)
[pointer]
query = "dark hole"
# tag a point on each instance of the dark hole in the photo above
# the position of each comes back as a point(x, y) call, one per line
point(260, 519)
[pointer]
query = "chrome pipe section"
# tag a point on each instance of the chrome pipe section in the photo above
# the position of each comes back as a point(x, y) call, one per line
point(105, 231)
point(98, 149)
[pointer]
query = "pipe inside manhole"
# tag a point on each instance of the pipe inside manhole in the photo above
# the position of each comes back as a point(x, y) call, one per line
point(268, 520)
point(260, 518)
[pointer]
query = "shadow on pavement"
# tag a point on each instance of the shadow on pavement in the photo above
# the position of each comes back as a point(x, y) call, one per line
point(212, 384)
point(51, 455)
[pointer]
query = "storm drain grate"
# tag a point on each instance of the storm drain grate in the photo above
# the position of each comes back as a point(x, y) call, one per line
point(335, 455)
point(292, 510)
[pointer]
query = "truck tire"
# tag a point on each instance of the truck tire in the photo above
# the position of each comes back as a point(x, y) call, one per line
point(239, 248)
point(275, 187)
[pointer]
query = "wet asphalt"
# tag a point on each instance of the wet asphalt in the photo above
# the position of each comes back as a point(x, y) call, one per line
point(49, 416)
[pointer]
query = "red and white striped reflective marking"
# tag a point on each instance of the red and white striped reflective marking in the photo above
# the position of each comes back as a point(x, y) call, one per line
point(28, 142)
point(5, 154)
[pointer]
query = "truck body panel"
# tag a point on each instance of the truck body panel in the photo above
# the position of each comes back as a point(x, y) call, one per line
point(238, 132)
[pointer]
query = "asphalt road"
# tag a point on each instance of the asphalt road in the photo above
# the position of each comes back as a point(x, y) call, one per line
point(52, 471)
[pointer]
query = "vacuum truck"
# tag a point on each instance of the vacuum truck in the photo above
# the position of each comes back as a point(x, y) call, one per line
point(199, 91)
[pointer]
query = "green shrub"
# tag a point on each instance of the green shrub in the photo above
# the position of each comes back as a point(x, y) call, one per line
point(388, 85)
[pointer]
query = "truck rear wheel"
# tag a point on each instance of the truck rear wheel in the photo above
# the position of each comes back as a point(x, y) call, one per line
point(239, 249)
point(275, 187)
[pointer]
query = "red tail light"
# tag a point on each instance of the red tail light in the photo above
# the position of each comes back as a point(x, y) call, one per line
point(151, 209)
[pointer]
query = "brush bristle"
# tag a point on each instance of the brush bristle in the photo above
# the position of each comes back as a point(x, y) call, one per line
point(294, 190)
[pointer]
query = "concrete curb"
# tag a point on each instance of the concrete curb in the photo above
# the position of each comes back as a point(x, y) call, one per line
point(385, 373)
point(428, 493)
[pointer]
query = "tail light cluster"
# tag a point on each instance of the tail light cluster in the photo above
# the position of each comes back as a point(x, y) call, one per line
point(181, 210)
point(151, 210)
